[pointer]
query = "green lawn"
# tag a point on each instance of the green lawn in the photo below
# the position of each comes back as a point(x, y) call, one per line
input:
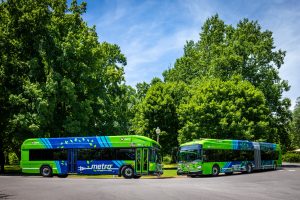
point(12, 168)
point(170, 166)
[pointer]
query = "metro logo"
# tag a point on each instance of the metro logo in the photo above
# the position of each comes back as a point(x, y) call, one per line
point(103, 167)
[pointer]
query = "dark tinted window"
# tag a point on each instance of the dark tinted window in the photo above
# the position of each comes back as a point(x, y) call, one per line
point(125, 154)
point(48, 154)
point(106, 154)
point(88, 154)
point(223, 155)
point(269, 155)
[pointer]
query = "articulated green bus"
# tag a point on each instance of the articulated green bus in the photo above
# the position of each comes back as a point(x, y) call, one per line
point(214, 156)
point(130, 156)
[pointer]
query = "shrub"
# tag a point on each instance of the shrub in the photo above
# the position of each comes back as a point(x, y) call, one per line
point(13, 159)
point(291, 157)
point(167, 159)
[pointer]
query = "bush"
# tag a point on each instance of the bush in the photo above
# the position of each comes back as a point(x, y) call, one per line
point(167, 159)
point(13, 159)
point(291, 157)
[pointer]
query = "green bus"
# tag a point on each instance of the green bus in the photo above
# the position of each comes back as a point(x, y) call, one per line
point(130, 156)
point(214, 156)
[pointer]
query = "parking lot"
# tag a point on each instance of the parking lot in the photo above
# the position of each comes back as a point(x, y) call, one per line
point(280, 184)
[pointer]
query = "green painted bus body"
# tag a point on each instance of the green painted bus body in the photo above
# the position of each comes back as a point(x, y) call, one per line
point(142, 150)
point(251, 155)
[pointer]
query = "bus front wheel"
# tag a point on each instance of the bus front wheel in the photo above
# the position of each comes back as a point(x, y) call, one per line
point(215, 170)
point(46, 171)
point(127, 172)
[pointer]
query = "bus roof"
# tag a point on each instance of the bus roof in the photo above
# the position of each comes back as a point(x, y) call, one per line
point(89, 142)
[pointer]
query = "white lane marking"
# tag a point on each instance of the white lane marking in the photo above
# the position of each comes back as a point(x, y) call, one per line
point(292, 170)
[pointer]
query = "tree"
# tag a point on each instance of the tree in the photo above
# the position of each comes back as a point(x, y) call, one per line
point(232, 109)
point(296, 125)
point(246, 50)
point(159, 109)
point(56, 78)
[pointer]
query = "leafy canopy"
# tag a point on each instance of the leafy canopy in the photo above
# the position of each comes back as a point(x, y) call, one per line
point(56, 78)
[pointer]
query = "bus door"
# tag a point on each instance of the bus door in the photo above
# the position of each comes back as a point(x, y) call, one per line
point(257, 156)
point(142, 161)
point(72, 160)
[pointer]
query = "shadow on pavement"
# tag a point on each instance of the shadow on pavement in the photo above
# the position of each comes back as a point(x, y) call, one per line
point(291, 165)
point(5, 196)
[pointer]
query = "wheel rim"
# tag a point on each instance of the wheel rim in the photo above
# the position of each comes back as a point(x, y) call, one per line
point(215, 171)
point(249, 168)
point(128, 172)
point(46, 171)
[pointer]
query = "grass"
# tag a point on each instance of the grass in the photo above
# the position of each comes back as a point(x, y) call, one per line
point(170, 166)
point(12, 168)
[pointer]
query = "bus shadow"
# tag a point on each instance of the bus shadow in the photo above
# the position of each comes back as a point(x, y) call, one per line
point(235, 174)
point(5, 196)
point(291, 165)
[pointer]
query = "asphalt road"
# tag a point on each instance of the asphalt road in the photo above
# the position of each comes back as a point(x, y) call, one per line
point(280, 184)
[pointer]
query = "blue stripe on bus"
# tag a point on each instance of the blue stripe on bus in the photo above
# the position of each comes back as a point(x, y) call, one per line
point(58, 167)
point(49, 144)
point(235, 144)
point(99, 141)
point(42, 141)
point(116, 163)
point(45, 143)
point(120, 162)
point(106, 140)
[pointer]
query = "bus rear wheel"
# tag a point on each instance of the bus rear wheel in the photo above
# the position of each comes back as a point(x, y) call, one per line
point(249, 168)
point(127, 172)
point(46, 171)
point(215, 170)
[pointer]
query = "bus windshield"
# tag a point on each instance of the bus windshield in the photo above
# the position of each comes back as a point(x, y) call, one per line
point(190, 153)
point(155, 156)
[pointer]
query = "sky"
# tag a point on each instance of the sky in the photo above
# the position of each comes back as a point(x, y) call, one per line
point(152, 34)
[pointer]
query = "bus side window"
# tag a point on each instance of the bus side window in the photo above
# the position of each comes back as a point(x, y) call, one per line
point(204, 157)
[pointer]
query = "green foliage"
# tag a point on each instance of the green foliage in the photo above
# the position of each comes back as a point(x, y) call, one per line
point(291, 157)
point(159, 109)
point(245, 50)
point(56, 78)
point(232, 109)
point(295, 132)
point(167, 159)
point(13, 159)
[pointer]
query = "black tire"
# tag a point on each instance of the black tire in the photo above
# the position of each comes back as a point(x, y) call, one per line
point(215, 170)
point(136, 177)
point(127, 172)
point(228, 173)
point(46, 171)
point(275, 166)
point(249, 168)
point(62, 175)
